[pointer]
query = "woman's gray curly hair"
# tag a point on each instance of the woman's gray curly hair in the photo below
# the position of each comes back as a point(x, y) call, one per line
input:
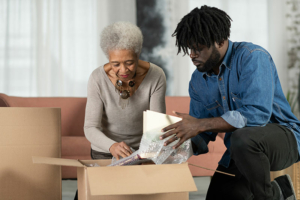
point(121, 35)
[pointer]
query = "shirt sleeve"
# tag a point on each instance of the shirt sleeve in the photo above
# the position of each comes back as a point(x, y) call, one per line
point(197, 110)
point(235, 119)
point(256, 91)
point(93, 117)
point(157, 98)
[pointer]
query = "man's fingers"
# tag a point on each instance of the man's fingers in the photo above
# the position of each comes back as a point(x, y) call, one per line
point(172, 126)
point(172, 132)
point(172, 139)
point(178, 114)
point(181, 115)
point(169, 127)
point(179, 143)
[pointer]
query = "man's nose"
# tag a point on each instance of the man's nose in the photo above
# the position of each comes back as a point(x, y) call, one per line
point(193, 54)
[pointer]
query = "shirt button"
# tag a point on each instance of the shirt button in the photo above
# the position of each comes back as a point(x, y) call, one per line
point(224, 97)
point(220, 79)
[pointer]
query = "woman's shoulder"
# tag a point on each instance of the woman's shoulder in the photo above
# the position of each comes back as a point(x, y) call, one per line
point(155, 70)
point(97, 74)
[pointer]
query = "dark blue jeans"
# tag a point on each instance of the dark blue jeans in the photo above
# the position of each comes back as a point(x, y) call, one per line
point(255, 151)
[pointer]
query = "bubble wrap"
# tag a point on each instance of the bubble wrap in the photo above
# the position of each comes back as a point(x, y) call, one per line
point(153, 148)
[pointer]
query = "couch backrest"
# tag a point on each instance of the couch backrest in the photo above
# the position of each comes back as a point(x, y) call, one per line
point(178, 104)
point(73, 109)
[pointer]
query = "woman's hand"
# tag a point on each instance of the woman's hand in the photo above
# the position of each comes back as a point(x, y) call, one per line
point(120, 149)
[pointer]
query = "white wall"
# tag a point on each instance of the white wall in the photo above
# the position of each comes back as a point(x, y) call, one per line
point(110, 11)
point(277, 39)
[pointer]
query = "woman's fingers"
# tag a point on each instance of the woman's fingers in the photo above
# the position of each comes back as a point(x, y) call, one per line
point(122, 153)
point(127, 148)
point(124, 150)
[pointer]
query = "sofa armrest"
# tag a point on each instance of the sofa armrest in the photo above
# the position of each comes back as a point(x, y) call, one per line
point(3, 102)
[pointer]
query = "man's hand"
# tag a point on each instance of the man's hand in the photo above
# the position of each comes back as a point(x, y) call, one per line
point(120, 149)
point(190, 126)
point(187, 128)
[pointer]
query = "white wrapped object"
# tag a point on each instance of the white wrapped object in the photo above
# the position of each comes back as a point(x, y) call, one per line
point(152, 147)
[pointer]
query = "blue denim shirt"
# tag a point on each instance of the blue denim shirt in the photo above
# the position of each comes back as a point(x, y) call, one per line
point(245, 93)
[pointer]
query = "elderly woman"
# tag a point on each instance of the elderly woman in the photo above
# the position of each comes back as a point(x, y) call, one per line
point(119, 92)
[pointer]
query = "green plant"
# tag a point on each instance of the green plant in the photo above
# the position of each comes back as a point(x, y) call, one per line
point(292, 99)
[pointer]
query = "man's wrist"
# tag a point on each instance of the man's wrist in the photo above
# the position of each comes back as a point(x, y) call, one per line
point(203, 125)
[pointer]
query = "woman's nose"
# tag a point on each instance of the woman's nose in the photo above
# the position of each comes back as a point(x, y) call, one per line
point(123, 68)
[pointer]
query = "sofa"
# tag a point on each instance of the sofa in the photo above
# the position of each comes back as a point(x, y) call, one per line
point(76, 146)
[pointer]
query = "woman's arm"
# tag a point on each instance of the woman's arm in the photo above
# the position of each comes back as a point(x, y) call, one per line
point(93, 117)
point(157, 99)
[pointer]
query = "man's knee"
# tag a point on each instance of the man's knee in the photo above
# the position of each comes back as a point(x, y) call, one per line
point(240, 141)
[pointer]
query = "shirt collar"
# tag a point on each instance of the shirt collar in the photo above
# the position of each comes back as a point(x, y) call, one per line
point(227, 57)
point(226, 61)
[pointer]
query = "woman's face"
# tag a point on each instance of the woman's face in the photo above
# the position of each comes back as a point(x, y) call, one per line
point(124, 63)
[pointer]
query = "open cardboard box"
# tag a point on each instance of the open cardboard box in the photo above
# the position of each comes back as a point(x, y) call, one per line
point(135, 182)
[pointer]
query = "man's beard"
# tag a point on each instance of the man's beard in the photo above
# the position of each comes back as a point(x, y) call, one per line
point(211, 62)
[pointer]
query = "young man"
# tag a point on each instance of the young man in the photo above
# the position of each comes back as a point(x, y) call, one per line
point(236, 90)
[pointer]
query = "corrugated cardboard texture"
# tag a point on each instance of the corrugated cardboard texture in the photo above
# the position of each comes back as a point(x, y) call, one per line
point(84, 191)
point(149, 179)
point(27, 132)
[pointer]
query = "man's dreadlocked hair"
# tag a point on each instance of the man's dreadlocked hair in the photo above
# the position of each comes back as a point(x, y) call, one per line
point(203, 26)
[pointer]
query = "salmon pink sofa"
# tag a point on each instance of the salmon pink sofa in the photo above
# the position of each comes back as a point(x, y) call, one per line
point(76, 146)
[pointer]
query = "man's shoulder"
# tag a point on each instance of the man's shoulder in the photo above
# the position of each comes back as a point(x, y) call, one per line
point(196, 75)
point(242, 48)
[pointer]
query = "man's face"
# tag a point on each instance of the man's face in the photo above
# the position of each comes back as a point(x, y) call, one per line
point(205, 59)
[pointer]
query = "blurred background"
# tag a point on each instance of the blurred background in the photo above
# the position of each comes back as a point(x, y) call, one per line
point(50, 47)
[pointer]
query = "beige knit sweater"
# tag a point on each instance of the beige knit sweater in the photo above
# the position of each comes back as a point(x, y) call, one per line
point(107, 123)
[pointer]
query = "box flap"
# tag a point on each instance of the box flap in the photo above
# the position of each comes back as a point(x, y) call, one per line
point(56, 161)
point(101, 162)
point(140, 179)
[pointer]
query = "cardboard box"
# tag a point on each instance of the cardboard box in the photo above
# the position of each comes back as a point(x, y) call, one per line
point(26, 132)
point(136, 182)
